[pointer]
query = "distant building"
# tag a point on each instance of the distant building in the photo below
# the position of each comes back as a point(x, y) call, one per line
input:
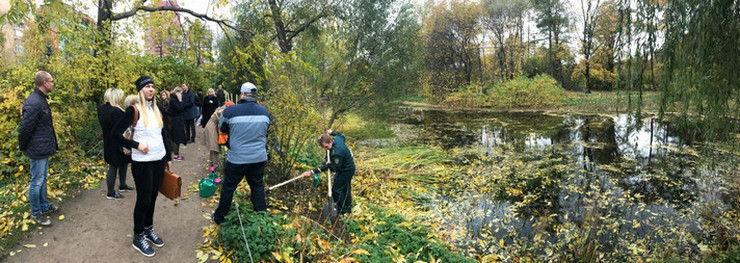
point(12, 35)
point(12, 45)
point(163, 46)
point(55, 42)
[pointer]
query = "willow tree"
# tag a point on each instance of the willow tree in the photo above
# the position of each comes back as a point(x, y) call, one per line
point(373, 42)
point(702, 55)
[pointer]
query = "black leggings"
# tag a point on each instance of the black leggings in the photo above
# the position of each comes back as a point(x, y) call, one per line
point(110, 178)
point(148, 178)
point(175, 148)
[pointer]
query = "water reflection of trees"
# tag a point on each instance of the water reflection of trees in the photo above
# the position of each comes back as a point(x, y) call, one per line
point(630, 172)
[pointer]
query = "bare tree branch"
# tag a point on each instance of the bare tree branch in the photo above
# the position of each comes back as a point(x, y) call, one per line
point(302, 27)
point(138, 8)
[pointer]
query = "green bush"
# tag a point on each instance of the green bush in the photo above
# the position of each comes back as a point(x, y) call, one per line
point(384, 235)
point(522, 92)
point(261, 229)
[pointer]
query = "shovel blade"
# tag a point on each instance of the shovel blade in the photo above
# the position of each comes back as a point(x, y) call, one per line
point(330, 210)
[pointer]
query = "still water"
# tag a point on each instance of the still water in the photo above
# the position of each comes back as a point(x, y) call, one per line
point(632, 185)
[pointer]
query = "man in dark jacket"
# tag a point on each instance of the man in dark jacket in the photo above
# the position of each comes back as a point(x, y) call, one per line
point(191, 112)
point(38, 141)
point(246, 124)
point(198, 104)
point(221, 95)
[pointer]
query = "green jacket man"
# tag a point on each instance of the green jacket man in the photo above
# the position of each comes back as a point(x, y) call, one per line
point(342, 162)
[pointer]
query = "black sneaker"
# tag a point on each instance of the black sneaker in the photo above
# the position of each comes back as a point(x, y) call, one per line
point(125, 188)
point(142, 246)
point(213, 219)
point(52, 209)
point(41, 220)
point(152, 237)
point(114, 196)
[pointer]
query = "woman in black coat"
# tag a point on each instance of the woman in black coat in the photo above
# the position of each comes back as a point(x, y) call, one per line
point(164, 107)
point(210, 103)
point(108, 115)
point(177, 120)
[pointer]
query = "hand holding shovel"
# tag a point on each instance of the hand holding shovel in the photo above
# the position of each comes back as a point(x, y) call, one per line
point(330, 208)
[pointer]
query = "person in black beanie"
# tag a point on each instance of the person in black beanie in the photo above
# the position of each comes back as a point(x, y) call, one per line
point(150, 155)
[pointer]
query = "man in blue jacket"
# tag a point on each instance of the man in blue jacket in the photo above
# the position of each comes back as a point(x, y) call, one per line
point(246, 124)
point(38, 141)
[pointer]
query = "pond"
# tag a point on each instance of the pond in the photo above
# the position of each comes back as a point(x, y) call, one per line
point(550, 187)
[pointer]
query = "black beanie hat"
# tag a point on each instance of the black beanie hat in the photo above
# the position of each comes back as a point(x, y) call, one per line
point(143, 81)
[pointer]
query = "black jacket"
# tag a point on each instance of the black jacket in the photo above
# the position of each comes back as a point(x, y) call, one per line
point(342, 161)
point(108, 116)
point(164, 108)
point(210, 103)
point(36, 136)
point(177, 113)
point(188, 103)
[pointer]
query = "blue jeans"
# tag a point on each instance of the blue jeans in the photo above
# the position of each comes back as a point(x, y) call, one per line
point(37, 188)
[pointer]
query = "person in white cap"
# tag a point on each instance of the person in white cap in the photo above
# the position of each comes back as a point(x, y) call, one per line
point(246, 124)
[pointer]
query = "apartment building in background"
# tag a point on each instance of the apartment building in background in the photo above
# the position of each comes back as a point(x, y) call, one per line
point(12, 45)
point(164, 46)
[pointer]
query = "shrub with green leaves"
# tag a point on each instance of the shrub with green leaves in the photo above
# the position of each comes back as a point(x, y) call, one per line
point(261, 229)
point(522, 92)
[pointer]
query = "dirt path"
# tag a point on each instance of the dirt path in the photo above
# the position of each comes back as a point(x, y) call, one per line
point(99, 230)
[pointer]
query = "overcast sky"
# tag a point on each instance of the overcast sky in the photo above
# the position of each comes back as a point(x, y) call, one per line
point(208, 6)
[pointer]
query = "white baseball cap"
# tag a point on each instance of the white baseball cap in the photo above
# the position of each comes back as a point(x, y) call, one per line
point(248, 87)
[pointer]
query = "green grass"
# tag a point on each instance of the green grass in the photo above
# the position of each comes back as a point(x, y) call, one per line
point(359, 128)
point(731, 256)
point(603, 101)
point(404, 157)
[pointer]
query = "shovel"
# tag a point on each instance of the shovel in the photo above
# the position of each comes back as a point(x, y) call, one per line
point(330, 208)
point(281, 184)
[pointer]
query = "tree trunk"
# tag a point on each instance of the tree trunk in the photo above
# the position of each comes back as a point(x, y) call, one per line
point(588, 76)
point(283, 41)
point(104, 40)
point(338, 103)
point(550, 54)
